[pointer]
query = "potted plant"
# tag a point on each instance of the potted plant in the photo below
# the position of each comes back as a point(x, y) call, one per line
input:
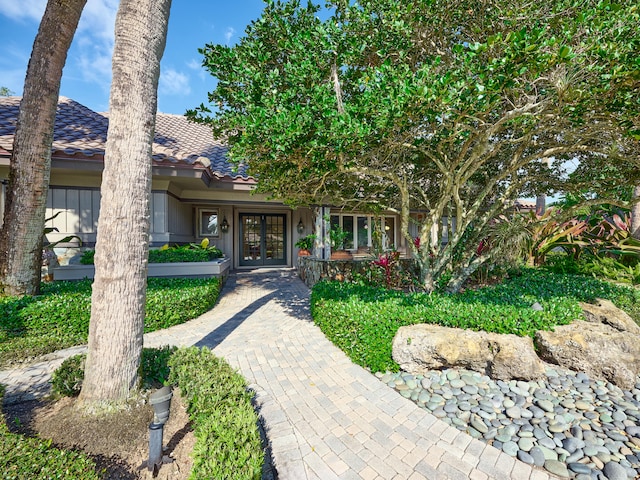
point(338, 237)
point(305, 244)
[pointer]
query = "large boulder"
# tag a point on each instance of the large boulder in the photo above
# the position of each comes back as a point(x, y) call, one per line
point(605, 347)
point(423, 347)
point(605, 312)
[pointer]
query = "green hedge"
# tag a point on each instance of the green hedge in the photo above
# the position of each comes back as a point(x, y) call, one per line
point(183, 253)
point(228, 443)
point(24, 458)
point(59, 317)
point(363, 320)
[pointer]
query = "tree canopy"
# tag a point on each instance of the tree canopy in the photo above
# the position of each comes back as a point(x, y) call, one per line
point(448, 108)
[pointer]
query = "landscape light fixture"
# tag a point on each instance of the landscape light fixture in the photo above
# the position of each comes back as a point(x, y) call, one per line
point(224, 226)
point(300, 227)
point(160, 400)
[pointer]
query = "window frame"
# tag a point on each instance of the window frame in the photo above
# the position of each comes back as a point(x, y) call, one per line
point(387, 242)
point(203, 232)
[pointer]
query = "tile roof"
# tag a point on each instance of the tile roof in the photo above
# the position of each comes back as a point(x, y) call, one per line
point(81, 131)
point(525, 204)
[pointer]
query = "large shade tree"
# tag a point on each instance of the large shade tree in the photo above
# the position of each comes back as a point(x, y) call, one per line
point(451, 109)
point(24, 217)
point(122, 244)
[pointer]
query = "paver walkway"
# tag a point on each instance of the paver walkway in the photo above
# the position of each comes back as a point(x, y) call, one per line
point(326, 418)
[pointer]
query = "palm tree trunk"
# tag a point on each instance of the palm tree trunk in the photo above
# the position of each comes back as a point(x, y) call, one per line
point(24, 215)
point(119, 289)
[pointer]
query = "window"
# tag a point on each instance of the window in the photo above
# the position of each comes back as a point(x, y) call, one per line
point(207, 223)
point(362, 230)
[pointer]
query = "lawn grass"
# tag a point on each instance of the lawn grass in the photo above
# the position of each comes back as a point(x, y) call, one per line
point(59, 317)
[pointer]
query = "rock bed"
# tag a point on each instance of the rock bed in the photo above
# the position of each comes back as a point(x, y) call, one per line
point(568, 424)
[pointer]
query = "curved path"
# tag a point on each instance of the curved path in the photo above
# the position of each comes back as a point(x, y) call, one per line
point(326, 418)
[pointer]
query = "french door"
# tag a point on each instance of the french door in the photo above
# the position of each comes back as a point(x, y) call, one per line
point(263, 239)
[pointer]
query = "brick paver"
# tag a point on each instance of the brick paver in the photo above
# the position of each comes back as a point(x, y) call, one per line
point(325, 417)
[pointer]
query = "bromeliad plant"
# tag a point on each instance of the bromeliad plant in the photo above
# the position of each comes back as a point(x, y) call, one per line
point(597, 234)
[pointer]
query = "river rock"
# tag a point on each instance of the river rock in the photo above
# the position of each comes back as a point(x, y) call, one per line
point(614, 471)
point(423, 347)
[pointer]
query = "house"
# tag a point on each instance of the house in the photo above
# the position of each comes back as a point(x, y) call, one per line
point(196, 192)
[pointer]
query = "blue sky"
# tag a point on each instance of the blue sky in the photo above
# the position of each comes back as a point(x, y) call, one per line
point(87, 74)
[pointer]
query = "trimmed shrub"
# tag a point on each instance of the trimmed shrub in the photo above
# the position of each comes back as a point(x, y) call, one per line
point(180, 253)
point(67, 379)
point(154, 371)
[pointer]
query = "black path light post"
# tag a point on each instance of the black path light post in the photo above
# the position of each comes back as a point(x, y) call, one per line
point(160, 400)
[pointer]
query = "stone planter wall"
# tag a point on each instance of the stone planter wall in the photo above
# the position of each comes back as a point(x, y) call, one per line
point(216, 268)
point(312, 270)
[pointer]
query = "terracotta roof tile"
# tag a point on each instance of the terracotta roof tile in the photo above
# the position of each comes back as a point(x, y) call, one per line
point(79, 130)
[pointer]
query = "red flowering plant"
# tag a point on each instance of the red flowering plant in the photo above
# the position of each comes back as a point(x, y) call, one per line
point(388, 262)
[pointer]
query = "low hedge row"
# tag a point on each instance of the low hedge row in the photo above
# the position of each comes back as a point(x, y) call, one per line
point(176, 254)
point(363, 320)
point(59, 317)
point(23, 458)
point(225, 424)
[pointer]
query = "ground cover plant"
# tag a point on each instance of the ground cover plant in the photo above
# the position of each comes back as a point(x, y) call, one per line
point(59, 317)
point(23, 457)
point(362, 320)
point(228, 443)
point(224, 422)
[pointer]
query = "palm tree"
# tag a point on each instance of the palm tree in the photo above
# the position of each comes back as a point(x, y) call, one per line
point(24, 215)
point(122, 244)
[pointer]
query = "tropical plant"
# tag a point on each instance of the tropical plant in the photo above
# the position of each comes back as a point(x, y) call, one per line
point(205, 246)
point(307, 242)
point(120, 282)
point(337, 235)
point(388, 262)
point(610, 235)
point(47, 230)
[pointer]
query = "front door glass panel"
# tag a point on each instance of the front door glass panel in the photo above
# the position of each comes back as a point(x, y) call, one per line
point(263, 239)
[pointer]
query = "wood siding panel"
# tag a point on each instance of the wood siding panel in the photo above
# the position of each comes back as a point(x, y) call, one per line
point(158, 212)
point(86, 211)
point(95, 201)
point(73, 211)
point(180, 217)
point(59, 206)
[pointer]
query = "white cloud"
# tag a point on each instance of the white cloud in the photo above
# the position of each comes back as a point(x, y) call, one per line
point(98, 20)
point(94, 61)
point(173, 82)
point(193, 64)
point(94, 41)
point(197, 67)
point(23, 10)
point(229, 34)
